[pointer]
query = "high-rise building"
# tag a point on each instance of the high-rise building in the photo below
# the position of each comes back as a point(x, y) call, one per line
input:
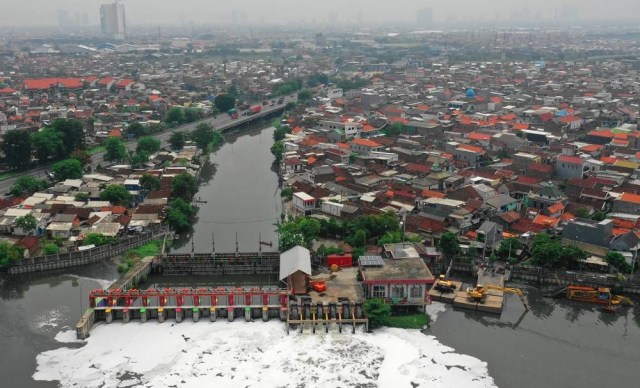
point(424, 17)
point(113, 21)
point(63, 18)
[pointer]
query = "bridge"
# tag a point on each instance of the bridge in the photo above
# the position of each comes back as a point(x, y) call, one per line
point(235, 263)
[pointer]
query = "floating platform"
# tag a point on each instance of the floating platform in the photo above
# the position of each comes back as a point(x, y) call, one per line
point(492, 303)
point(444, 297)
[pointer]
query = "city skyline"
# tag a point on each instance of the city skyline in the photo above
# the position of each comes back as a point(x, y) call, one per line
point(150, 12)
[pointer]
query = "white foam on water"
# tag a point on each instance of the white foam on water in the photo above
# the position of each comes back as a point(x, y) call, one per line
point(434, 309)
point(104, 283)
point(256, 354)
point(50, 319)
point(67, 336)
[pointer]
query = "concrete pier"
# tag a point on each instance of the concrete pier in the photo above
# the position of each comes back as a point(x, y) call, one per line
point(444, 297)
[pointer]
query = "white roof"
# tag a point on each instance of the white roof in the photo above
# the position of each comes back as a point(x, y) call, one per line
point(295, 259)
point(31, 201)
point(14, 212)
point(303, 196)
point(73, 182)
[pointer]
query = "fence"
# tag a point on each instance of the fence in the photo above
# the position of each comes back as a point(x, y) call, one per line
point(72, 259)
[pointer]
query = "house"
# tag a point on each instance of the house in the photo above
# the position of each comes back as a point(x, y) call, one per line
point(589, 232)
point(627, 203)
point(401, 277)
point(567, 166)
point(59, 229)
point(545, 196)
point(295, 269)
point(503, 203)
point(364, 146)
point(488, 234)
point(303, 202)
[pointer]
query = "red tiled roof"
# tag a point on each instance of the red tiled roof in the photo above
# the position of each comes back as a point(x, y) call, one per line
point(467, 147)
point(426, 193)
point(478, 136)
point(630, 197)
point(547, 222)
point(570, 159)
point(569, 119)
point(520, 126)
point(365, 143)
point(591, 148)
point(556, 207)
point(46, 83)
point(7, 91)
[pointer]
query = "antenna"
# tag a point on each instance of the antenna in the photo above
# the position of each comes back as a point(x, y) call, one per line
point(236, 244)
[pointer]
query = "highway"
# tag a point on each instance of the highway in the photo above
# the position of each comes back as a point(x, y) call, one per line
point(222, 122)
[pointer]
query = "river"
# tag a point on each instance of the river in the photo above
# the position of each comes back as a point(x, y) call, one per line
point(557, 344)
point(241, 189)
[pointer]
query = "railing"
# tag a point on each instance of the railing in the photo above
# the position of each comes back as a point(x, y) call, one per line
point(70, 259)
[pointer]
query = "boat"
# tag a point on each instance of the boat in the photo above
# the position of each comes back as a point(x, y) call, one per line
point(601, 295)
point(609, 309)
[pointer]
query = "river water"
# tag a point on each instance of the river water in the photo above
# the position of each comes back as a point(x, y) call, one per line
point(241, 189)
point(557, 344)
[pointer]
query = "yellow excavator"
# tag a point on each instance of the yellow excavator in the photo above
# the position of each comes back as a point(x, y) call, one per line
point(479, 293)
point(444, 285)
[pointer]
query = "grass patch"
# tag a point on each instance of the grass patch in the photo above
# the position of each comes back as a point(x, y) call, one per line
point(407, 321)
point(96, 150)
point(150, 249)
point(131, 257)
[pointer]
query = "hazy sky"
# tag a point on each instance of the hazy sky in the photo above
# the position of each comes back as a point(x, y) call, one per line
point(44, 12)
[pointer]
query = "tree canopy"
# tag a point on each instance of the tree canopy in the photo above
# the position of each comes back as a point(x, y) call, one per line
point(377, 312)
point(175, 116)
point(548, 251)
point(115, 150)
point(449, 245)
point(16, 145)
point(73, 132)
point(28, 184)
point(224, 102)
point(393, 130)
point(67, 169)
point(136, 129)
point(49, 144)
point(9, 254)
point(148, 144)
point(178, 139)
point(180, 215)
point(305, 96)
point(97, 239)
point(184, 186)
point(27, 223)
point(116, 194)
point(615, 259)
point(202, 135)
point(149, 182)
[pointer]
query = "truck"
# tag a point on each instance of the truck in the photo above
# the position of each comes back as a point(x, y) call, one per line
point(233, 112)
point(255, 109)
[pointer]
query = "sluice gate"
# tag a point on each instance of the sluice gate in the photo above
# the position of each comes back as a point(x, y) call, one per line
point(258, 263)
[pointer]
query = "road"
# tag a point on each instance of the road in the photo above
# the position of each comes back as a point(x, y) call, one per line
point(222, 122)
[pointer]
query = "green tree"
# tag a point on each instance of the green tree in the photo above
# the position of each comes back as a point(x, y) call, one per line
point(277, 149)
point(180, 215)
point(289, 239)
point(449, 245)
point(82, 156)
point(357, 239)
point(509, 245)
point(139, 158)
point(136, 129)
point(28, 184)
point(149, 182)
point(48, 144)
point(191, 115)
point(178, 139)
point(116, 194)
point(377, 312)
point(115, 150)
point(9, 254)
point(317, 79)
point(305, 96)
point(279, 134)
point(287, 193)
point(184, 186)
point(224, 102)
point(97, 239)
point(81, 197)
point(149, 144)
point(390, 238)
point(16, 145)
point(51, 249)
point(202, 135)
point(394, 129)
point(67, 169)
point(73, 131)
point(617, 260)
point(583, 213)
point(174, 116)
point(27, 223)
